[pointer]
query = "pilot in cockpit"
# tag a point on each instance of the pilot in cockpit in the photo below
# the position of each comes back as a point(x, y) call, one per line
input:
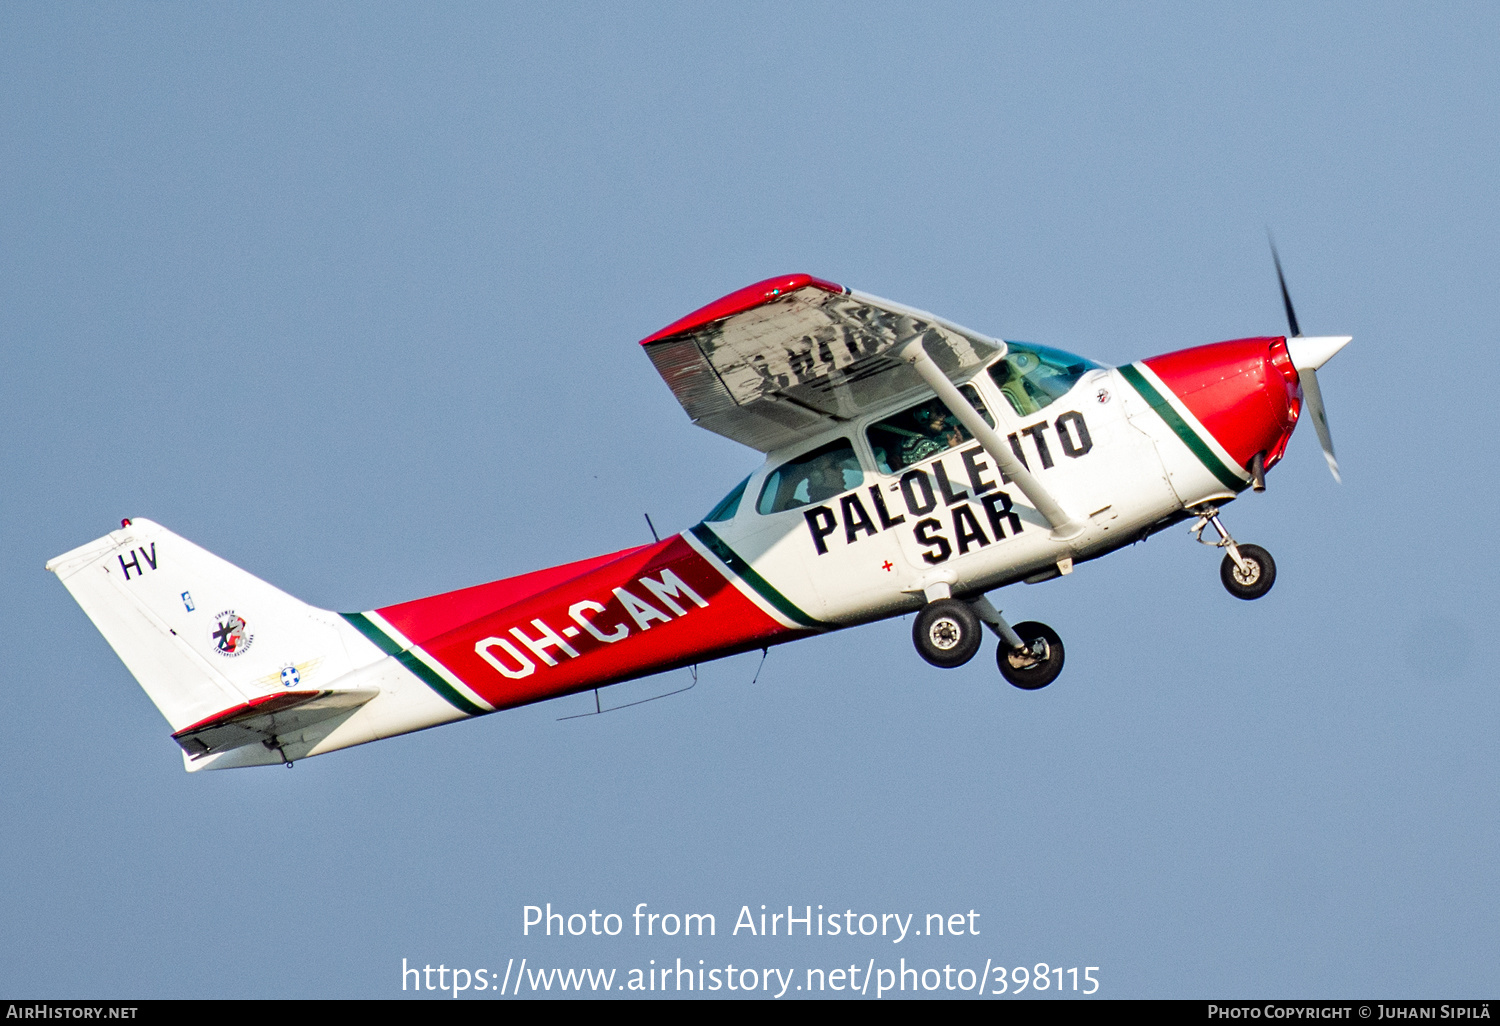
point(831, 476)
point(940, 433)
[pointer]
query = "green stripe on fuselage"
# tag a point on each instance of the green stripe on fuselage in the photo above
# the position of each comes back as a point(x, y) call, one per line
point(737, 564)
point(1184, 431)
point(410, 660)
point(380, 638)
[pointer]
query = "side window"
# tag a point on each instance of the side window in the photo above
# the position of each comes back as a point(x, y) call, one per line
point(728, 506)
point(1032, 377)
point(922, 431)
point(813, 477)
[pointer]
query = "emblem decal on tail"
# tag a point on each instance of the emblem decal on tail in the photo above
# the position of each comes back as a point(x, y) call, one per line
point(290, 675)
point(231, 636)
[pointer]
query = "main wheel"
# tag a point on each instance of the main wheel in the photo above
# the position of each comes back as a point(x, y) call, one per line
point(1257, 577)
point(947, 633)
point(1039, 664)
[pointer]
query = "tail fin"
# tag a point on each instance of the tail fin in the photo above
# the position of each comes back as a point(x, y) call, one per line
point(227, 658)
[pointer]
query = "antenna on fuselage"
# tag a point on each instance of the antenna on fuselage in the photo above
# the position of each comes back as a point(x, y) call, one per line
point(761, 665)
point(652, 526)
point(600, 711)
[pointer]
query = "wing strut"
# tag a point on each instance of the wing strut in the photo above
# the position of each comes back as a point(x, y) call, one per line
point(1063, 525)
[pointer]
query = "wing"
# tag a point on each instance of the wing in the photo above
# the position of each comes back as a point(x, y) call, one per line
point(787, 358)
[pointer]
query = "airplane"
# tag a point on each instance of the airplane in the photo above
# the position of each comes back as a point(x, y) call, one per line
point(912, 466)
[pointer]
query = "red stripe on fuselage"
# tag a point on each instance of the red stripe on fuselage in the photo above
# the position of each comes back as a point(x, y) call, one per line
point(428, 617)
point(650, 609)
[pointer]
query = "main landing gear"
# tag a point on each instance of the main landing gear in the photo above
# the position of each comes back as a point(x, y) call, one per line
point(948, 633)
point(1036, 662)
point(1248, 571)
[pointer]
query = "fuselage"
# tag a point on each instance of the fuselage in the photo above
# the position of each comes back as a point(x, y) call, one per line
point(883, 510)
point(911, 465)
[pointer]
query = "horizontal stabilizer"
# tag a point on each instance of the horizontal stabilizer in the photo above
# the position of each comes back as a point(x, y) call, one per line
point(268, 718)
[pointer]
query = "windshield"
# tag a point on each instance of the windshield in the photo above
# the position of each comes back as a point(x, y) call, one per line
point(1032, 377)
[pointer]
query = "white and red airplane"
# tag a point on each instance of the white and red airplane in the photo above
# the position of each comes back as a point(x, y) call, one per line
point(912, 465)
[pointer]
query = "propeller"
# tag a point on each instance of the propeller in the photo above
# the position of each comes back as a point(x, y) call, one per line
point(1308, 353)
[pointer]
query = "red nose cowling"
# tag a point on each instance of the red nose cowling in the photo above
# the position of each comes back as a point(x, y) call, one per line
point(1245, 392)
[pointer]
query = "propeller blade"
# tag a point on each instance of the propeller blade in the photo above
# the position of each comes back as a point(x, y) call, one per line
point(1308, 354)
point(1286, 298)
point(1313, 397)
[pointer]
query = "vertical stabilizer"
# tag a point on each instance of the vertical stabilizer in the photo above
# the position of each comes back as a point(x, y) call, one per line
point(203, 637)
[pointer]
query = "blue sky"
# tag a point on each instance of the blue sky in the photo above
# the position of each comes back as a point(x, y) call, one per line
point(349, 295)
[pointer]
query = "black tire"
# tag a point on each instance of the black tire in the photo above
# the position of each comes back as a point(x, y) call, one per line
point(947, 633)
point(1031, 675)
point(1252, 586)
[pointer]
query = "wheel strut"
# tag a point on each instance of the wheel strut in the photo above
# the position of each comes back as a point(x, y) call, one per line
point(1209, 516)
point(1248, 571)
point(992, 619)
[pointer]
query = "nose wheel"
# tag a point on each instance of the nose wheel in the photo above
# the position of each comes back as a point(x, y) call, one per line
point(1248, 571)
point(1252, 577)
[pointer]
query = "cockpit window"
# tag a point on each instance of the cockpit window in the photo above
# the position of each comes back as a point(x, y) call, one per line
point(812, 477)
point(728, 506)
point(1032, 377)
point(922, 431)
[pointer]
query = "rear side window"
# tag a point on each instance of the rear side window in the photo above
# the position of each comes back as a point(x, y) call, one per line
point(728, 506)
point(813, 477)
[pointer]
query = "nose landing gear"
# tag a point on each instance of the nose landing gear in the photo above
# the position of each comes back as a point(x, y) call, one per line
point(1248, 571)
